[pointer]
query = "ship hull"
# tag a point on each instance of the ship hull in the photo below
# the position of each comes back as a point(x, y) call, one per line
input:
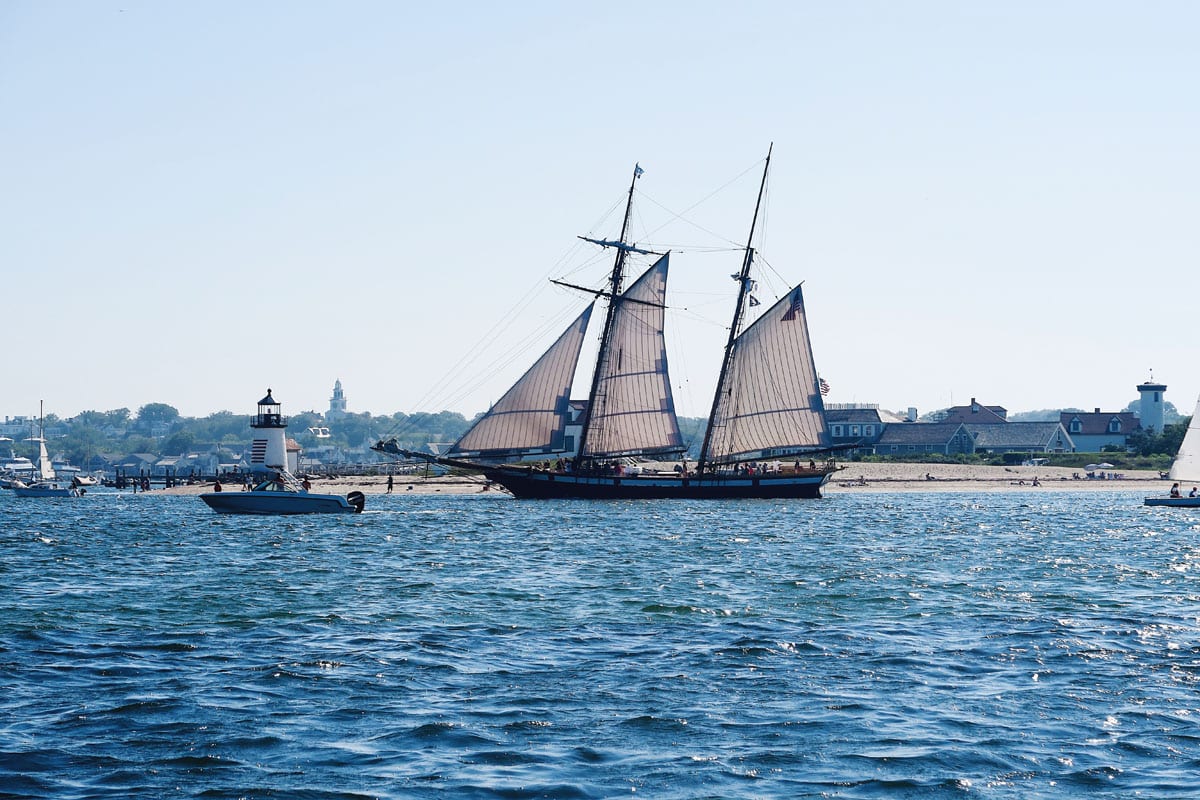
point(43, 490)
point(537, 485)
point(280, 503)
point(1174, 502)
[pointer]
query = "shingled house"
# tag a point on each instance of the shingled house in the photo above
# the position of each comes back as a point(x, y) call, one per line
point(1093, 431)
point(976, 414)
point(913, 438)
point(857, 427)
point(1022, 437)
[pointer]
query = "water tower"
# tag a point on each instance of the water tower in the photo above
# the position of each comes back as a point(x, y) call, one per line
point(1151, 407)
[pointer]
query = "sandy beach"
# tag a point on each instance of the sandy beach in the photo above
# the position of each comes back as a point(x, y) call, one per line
point(854, 477)
point(864, 477)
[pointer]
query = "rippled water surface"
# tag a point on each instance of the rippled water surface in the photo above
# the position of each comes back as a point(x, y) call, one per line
point(920, 645)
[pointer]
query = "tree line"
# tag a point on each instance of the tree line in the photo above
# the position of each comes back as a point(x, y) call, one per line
point(159, 429)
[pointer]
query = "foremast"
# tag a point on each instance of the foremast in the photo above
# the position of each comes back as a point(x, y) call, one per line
point(739, 311)
point(614, 290)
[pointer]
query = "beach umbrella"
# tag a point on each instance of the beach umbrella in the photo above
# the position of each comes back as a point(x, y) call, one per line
point(1092, 467)
point(1104, 465)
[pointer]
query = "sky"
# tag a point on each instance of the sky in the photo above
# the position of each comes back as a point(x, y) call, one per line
point(202, 200)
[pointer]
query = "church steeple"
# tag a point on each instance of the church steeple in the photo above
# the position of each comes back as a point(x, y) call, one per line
point(337, 403)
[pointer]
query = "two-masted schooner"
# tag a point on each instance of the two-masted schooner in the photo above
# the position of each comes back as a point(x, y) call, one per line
point(766, 426)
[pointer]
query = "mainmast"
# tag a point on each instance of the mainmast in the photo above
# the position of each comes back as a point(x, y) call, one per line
point(739, 311)
point(614, 290)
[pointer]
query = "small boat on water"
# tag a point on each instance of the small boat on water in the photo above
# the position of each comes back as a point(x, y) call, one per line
point(45, 482)
point(45, 489)
point(765, 429)
point(283, 493)
point(1185, 468)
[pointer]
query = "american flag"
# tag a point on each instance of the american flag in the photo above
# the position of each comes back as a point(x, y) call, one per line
point(824, 386)
point(796, 307)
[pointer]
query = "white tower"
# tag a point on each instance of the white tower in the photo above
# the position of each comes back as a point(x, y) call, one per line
point(337, 403)
point(268, 450)
point(1151, 408)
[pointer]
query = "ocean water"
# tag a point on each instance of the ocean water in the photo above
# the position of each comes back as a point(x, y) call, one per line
point(1013, 645)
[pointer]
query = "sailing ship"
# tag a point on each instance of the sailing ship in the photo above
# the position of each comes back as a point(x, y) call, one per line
point(1186, 467)
point(765, 428)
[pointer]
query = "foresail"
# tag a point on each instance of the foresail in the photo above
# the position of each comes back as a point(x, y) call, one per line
point(1187, 462)
point(633, 412)
point(770, 404)
point(531, 417)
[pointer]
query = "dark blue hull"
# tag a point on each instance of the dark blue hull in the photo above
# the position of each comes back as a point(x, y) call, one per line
point(282, 503)
point(537, 485)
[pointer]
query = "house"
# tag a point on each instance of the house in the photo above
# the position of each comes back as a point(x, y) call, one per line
point(18, 427)
point(294, 453)
point(857, 427)
point(915, 438)
point(1093, 431)
point(976, 414)
point(137, 464)
point(1021, 437)
point(168, 466)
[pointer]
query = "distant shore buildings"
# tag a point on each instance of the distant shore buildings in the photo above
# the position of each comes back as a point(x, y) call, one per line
point(978, 428)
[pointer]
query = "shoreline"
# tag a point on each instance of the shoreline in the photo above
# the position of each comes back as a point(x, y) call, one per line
point(854, 477)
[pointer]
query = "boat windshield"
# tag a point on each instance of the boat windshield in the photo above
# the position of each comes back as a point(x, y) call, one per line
point(272, 485)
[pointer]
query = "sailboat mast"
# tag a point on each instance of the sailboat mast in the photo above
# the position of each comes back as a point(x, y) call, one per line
point(739, 310)
point(614, 290)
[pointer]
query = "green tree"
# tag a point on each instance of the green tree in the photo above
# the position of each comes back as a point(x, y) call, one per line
point(1148, 443)
point(118, 417)
point(152, 413)
point(82, 442)
point(179, 443)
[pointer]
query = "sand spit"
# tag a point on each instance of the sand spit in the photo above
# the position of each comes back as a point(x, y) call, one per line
point(854, 477)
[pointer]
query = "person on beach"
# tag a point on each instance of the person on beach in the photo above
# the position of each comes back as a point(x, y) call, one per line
point(390, 483)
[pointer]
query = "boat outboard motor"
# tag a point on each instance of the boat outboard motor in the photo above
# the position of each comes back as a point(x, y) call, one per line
point(357, 500)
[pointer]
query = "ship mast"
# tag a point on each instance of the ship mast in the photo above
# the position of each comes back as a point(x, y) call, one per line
point(739, 310)
point(614, 290)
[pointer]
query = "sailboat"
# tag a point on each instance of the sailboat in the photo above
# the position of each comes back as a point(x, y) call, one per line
point(767, 408)
point(45, 484)
point(1185, 468)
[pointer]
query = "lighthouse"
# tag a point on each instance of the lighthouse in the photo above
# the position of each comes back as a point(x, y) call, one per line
point(268, 449)
point(1151, 406)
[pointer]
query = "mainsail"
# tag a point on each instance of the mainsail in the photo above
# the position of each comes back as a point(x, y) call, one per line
point(770, 403)
point(531, 417)
point(632, 411)
point(1187, 461)
point(45, 468)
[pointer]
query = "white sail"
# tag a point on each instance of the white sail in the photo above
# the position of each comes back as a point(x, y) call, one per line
point(770, 403)
point(45, 468)
point(532, 416)
point(1187, 460)
point(633, 411)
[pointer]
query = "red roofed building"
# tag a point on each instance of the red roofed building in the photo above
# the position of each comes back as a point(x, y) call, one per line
point(976, 414)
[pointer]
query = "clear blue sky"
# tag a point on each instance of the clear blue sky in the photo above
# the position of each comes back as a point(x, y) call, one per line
point(991, 200)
